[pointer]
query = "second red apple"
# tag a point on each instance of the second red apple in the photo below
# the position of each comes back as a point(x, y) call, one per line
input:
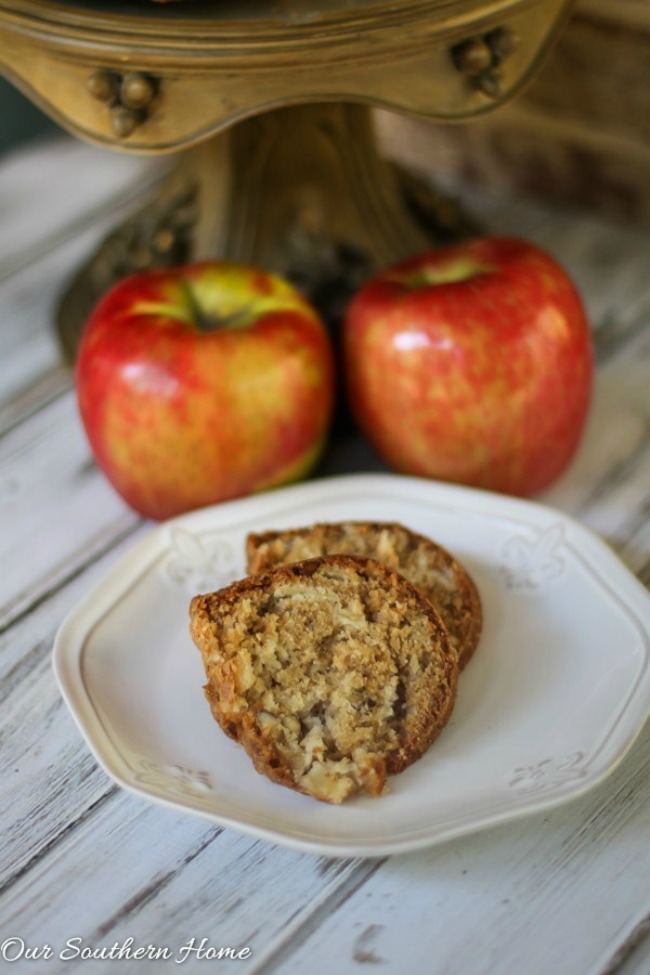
point(472, 364)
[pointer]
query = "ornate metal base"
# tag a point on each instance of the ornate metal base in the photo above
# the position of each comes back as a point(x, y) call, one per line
point(301, 190)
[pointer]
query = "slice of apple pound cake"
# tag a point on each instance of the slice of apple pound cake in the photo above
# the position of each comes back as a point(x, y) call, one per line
point(435, 572)
point(332, 673)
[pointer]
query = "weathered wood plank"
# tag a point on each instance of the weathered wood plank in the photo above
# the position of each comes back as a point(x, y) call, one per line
point(33, 372)
point(32, 368)
point(633, 955)
point(607, 485)
point(57, 510)
point(132, 869)
point(81, 183)
point(42, 754)
point(45, 388)
point(526, 897)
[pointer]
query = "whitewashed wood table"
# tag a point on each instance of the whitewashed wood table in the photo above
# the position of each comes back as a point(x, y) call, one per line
point(566, 892)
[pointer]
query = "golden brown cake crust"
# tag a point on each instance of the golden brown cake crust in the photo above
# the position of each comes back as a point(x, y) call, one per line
point(332, 673)
point(430, 567)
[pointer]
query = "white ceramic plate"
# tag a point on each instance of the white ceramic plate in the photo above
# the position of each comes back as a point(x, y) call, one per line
point(555, 695)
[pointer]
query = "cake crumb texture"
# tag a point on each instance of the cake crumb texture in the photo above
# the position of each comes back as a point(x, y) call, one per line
point(332, 673)
point(430, 567)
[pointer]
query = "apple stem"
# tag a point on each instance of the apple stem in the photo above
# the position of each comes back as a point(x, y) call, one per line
point(203, 322)
point(210, 323)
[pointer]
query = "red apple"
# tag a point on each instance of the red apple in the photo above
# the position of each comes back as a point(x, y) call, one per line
point(202, 383)
point(471, 364)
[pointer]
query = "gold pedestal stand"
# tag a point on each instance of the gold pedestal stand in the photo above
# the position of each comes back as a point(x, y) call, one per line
point(299, 190)
point(268, 105)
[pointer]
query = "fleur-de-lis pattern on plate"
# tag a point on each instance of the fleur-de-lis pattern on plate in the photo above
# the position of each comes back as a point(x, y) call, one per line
point(528, 563)
point(174, 779)
point(548, 774)
point(197, 565)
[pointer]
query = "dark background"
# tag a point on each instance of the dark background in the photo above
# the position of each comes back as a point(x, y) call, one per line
point(19, 119)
